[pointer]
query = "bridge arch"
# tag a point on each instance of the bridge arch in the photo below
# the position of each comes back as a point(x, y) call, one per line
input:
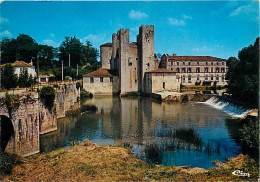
point(6, 131)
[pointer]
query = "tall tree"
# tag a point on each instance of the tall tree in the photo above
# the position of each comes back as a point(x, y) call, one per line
point(9, 79)
point(78, 52)
point(243, 75)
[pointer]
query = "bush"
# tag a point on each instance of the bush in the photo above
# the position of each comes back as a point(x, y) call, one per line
point(85, 94)
point(78, 85)
point(47, 96)
point(250, 133)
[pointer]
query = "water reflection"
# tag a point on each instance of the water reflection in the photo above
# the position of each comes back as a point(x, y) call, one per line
point(191, 134)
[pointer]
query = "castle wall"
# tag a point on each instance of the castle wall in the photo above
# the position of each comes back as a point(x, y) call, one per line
point(158, 82)
point(105, 56)
point(101, 88)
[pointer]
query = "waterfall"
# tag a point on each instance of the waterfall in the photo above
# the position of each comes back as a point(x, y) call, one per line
point(228, 107)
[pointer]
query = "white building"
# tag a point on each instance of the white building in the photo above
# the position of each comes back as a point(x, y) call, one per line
point(19, 66)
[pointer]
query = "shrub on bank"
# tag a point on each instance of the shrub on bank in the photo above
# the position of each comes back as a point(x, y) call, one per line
point(85, 94)
point(47, 96)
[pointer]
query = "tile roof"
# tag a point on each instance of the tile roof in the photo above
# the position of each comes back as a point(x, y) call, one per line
point(161, 70)
point(100, 72)
point(19, 64)
point(193, 58)
point(108, 44)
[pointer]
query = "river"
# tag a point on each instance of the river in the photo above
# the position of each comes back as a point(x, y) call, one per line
point(192, 134)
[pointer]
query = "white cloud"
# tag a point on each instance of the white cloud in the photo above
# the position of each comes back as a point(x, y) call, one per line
point(245, 10)
point(51, 43)
point(97, 39)
point(3, 20)
point(176, 22)
point(137, 15)
point(201, 49)
point(186, 17)
point(5, 33)
point(52, 35)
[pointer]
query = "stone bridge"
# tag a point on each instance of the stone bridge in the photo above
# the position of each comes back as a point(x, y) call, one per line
point(25, 117)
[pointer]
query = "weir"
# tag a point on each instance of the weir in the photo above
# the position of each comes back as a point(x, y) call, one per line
point(228, 107)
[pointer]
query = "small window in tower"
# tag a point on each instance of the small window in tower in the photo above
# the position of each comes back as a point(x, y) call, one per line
point(91, 80)
point(111, 79)
point(183, 63)
point(148, 64)
point(130, 61)
point(198, 63)
point(101, 79)
point(177, 63)
point(163, 85)
point(189, 63)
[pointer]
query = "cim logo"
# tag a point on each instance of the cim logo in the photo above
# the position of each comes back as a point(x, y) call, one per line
point(240, 173)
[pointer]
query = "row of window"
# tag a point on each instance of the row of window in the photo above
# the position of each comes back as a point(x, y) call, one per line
point(206, 70)
point(198, 63)
point(206, 78)
point(101, 79)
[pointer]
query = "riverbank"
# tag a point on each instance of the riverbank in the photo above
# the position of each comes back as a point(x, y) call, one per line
point(88, 161)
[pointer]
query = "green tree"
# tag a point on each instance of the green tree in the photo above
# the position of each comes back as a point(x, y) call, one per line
point(243, 75)
point(9, 78)
point(79, 53)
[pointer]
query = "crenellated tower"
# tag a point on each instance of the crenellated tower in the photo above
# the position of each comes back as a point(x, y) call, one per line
point(145, 41)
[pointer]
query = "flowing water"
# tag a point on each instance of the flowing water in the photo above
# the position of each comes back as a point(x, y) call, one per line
point(230, 108)
point(192, 134)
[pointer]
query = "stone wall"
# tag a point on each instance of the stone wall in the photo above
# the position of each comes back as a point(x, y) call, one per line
point(105, 56)
point(32, 118)
point(101, 88)
point(25, 120)
point(159, 82)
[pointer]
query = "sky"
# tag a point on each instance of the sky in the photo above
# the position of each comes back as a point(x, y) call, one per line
point(213, 28)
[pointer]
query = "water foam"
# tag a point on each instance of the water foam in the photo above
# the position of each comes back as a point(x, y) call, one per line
point(229, 108)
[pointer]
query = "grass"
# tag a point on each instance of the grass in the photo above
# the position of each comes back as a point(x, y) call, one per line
point(90, 162)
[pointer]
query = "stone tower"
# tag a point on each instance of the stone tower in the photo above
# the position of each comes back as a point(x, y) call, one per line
point(105, 55)
point(115, 52)
point(127, 63)
point(145, 41)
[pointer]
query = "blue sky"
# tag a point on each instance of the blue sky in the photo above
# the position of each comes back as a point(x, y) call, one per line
point(215, 28)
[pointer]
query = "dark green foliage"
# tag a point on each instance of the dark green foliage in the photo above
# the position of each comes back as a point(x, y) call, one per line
point(9, 79)
point(243, 75)
point(47, 95)
point(78, 85)
point(250, 133)
point(25, 48)
point(85, 94)
point(246, 133)
point(74, 112)
point(12, 102)
point(80, 53)
point(25, 80)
